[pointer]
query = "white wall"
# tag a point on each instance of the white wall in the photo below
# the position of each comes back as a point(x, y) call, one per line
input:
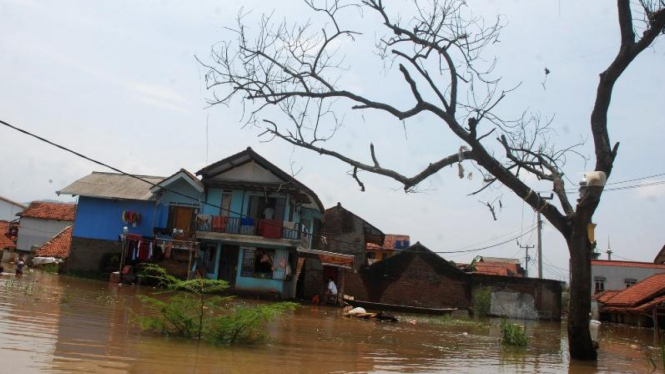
point(8, 211)
point(615, 276)
point(34, 231)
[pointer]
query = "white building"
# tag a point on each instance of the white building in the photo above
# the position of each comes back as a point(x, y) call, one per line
point(41, 221)
point(618, 275)
point(9, 209)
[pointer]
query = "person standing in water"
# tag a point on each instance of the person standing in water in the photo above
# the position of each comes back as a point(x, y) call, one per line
point(19, 265)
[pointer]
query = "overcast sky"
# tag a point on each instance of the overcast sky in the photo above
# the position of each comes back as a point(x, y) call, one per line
point(118, 81)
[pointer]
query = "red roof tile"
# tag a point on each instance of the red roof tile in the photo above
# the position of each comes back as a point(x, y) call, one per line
point(5, 241)
point(59, 246)
point(48, 210)
point(389, 242)
point(627, 264)
point(639, 292)
point(605, 296)
point(496, 268)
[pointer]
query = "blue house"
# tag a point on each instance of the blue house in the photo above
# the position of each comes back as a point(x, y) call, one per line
point(256, 221)
point(108, 202)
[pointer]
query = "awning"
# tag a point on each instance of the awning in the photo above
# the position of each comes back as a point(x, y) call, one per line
point(329, 258)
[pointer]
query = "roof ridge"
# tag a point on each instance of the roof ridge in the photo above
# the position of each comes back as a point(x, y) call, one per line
point(128, 174)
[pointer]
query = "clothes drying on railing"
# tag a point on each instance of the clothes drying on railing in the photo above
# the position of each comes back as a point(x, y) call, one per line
point(270, 229)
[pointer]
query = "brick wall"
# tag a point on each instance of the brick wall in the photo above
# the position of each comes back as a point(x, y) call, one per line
point(346, 233)
point(87, 254)
point(410, 279)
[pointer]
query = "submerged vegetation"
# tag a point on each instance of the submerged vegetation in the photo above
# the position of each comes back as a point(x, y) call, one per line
point(513, 335)
point(198, 312)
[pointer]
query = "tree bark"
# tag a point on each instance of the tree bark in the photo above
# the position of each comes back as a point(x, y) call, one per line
point(579, 337)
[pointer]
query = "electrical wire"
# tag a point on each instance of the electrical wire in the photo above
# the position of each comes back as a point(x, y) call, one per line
point(78, 154)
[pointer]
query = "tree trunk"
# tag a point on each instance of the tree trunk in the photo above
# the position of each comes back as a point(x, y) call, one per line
point(579, 337)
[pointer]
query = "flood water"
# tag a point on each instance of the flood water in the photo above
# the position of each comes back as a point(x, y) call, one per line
point(55, 323)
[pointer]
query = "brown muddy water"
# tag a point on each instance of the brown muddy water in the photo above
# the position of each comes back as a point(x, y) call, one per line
point(55, 323)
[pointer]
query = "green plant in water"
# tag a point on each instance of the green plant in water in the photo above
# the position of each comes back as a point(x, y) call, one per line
point(513, 335)
point(481, 301)
point(196, 312)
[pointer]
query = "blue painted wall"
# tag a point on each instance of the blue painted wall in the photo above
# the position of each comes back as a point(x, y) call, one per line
point(102, 218)
point(264, 285)
point(214, 197)
point(180, 186)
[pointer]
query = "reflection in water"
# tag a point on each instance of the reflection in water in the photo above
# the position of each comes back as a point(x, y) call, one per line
point(51, 323)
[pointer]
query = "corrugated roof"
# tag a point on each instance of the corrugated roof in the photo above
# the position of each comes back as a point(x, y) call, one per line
point(639, 292)
point(59, 246)
point(5, 241)
point(50, 210)
point(22, 206)
point(112, 186)
point(631, 264)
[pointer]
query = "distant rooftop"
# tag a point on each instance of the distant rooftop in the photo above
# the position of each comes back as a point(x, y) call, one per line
point(59, 246)
point(633, 264)
point(49, 210)
point(22, 206)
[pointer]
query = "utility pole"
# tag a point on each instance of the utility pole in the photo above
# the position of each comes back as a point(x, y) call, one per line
point(540, 237)
point(526, 258)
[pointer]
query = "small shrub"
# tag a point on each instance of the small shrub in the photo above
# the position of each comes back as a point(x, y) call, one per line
point(196, 313)
point(482, 301)
point(513, 335)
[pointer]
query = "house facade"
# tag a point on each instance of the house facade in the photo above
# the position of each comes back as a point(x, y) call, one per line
point(9, 209)
point(618, 275)
point(41, 221)
point(110, 202)
point(255, 219)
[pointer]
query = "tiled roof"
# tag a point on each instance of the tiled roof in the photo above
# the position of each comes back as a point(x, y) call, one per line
point(501, 260)
point(389, 242)
point(495, 268)
point(638, 309)
point(631, 264)
point(639, 292)
point(48, 210)
point(5, 241)
point(59, 246)
point(605, 296)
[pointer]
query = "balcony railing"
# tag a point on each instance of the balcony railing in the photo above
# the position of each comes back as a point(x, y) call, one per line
point(267, 228)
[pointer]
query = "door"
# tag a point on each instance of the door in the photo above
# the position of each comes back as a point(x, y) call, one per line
point(181, 218)
point(228, 264)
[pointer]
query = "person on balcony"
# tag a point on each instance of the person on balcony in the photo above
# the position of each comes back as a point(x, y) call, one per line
point(269, 213)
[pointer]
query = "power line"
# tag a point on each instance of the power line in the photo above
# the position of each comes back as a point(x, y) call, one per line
point(214, 205)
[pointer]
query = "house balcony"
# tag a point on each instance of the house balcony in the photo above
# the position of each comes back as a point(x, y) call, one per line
point(252, 230)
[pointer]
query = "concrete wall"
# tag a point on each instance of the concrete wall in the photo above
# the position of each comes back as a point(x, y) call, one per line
point(35, 232)
point(8, 211)
point(527, 298)
point(102, 218)
point(87, 254)
point(615, 276)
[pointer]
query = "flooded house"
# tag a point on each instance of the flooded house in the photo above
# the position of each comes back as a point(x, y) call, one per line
point(618, 275)
point(135, 214)
point(418, 277)
point(256, 222)
point(642, 304)
point(41, 221)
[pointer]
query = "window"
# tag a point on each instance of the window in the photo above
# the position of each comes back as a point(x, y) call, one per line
point(629, 282)
point(261, 207)
point(600, 284)
point(226, 205)
point(258, 263)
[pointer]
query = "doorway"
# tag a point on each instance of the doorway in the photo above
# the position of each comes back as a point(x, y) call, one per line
point(181, 218)
point(228, 264)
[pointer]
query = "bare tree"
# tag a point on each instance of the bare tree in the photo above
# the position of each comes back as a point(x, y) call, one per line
point(438, 52)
